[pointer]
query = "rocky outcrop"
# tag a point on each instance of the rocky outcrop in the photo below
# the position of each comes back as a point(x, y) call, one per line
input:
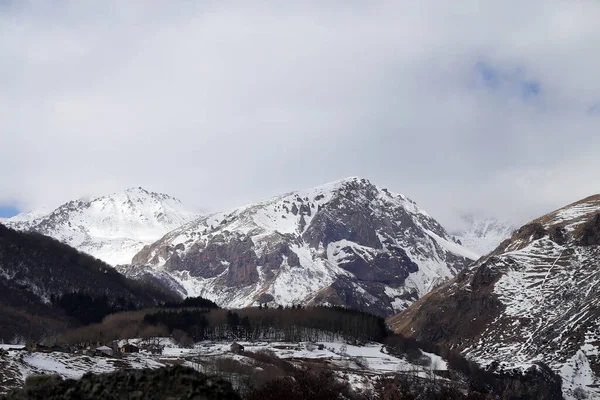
point(590, 232)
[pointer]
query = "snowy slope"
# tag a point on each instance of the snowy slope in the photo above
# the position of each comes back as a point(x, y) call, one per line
point(482, 235)
point(375, 362)
point(112, 228)
point(535, 298)
point(348, 242)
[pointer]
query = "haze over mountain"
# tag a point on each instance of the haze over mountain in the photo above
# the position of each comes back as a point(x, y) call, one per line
point(535, 298)
point(112, 228)
point(482, 235)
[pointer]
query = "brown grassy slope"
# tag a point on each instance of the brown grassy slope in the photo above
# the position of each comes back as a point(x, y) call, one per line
point(455, 313)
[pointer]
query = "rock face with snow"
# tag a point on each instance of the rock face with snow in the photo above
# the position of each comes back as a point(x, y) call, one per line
point(112, 228)
point(535, 298)
point(483, 235)
point(347, 243)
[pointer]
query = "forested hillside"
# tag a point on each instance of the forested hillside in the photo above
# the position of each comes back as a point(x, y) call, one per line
point(43, 281)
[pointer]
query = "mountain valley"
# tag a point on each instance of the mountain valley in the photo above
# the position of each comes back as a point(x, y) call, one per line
point(531, 301)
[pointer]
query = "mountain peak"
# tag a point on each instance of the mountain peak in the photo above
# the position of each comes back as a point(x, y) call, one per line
point(139, 191)
point(348, 182)
point(346, 242)
point(114, 227)
point(351, 179)
point(136, 189)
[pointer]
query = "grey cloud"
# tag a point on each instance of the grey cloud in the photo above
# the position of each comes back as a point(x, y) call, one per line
point(224, 103)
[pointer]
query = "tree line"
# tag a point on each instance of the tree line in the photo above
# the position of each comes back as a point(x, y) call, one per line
point(281, 324)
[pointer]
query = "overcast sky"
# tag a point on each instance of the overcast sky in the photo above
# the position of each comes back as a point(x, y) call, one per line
point(488, 107)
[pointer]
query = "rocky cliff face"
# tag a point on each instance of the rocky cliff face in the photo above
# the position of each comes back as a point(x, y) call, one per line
point(348, 243)
point(535, 298)
point(112, 228)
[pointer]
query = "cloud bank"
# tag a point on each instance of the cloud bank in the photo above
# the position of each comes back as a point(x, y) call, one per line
point(490, 107)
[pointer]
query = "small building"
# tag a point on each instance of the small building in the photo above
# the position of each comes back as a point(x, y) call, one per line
point(103, 351)
point(129, 348)
point(237, 348)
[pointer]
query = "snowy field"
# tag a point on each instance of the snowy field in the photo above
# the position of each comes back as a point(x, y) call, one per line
point(359, 364)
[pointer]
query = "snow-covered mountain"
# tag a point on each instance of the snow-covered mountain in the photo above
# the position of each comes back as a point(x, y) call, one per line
point(482, 235)
point(112, 228)
point(348, 242)
point(535, 298)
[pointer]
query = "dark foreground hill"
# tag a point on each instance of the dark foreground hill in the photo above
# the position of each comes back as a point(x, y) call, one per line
point(44, 282)
point(164, 383)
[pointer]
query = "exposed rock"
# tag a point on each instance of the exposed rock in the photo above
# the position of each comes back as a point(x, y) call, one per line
point(485, 275)
point(558, 235)
point(391, 267)
point(590, 233)
point(265, 298)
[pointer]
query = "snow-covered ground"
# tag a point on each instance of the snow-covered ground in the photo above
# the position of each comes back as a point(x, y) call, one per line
point(360, 364)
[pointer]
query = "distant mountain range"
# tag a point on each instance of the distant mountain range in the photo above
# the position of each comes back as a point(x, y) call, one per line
point(348, 243)
point(533, 299)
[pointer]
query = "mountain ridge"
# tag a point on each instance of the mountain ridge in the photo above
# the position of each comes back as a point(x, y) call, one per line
point(113, 227)
point(533, 299)
point(318, 245)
